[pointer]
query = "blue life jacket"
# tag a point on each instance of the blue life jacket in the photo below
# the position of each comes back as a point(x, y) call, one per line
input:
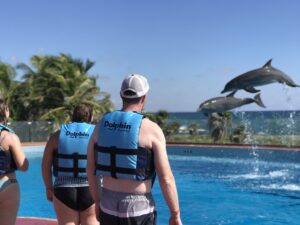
point(70, 159)
point(117, 152)
point(7, 163)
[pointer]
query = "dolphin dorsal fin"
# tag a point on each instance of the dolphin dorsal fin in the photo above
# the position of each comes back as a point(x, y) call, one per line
point(268, 64)
point(231, 94)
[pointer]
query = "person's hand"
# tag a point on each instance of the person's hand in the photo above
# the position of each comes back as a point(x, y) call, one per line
point(49, 194)
point(175, 220)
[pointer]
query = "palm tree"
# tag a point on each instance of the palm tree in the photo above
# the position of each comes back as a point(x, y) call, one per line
point(171, 129)
point(18, 102)
point(193, 128)
point(239, 134)
point(43, 84)
point(219, 125)
point(55, 84)
point(7, 83)
point(161, 117)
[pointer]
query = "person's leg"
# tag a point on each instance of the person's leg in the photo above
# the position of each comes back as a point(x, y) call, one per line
point(108, 204)
point(64, 214)
point(148, 219)
point(88, 216)
point(106, 219)
point(86, 206)
point(9, 204)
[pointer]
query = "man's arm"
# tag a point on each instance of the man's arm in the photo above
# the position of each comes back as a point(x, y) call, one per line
point(165, 176)
point(94, 182)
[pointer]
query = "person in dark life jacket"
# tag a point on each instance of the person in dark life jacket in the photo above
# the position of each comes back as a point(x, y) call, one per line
point(128, 150)
point(12, 158)
point(65, 157)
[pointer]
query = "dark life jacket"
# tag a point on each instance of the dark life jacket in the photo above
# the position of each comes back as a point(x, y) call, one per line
point(7, 162)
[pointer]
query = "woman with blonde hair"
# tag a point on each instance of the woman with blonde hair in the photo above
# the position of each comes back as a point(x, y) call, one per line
point(12, 158)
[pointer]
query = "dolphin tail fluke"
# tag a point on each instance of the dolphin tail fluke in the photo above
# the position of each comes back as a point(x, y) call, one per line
point(258, 101)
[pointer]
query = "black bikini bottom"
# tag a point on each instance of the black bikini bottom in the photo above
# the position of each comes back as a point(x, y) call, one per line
point(77, 198)
point(6, 183)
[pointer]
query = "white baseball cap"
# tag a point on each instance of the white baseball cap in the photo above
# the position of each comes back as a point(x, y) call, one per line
point(134, 86)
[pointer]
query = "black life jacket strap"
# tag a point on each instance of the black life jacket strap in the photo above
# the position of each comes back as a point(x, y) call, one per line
point(75, 157)
point(71, 156)
point(113, 151)
point(119, 170)
point(120, 151)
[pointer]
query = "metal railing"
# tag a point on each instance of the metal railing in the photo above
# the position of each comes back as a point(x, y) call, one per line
point(37, 131)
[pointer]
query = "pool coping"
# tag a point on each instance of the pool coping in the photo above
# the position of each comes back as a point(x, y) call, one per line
point(238, 146)
point(22, 220)
point(34, 143)
point(208, 145)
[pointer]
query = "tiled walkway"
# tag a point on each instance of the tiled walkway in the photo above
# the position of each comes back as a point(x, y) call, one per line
point(35, 221)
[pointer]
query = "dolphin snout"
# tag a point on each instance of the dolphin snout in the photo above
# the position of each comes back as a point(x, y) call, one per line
point(227, 88)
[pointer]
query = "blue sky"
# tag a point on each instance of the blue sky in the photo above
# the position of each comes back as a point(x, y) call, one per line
point(188, 50)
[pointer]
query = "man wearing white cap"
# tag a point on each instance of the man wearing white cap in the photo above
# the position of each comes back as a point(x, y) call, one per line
point(128, 150)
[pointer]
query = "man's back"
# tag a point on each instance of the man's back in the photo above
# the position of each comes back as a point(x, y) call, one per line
point(150, 136)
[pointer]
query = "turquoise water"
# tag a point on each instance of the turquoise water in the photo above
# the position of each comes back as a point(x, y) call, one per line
point(211, 190)
point(231, 191)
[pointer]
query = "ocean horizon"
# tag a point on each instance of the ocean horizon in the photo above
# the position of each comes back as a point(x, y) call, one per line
point(274, 122)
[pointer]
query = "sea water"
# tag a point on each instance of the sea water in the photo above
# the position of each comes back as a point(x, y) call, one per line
point(285, 122)
point(211, 191)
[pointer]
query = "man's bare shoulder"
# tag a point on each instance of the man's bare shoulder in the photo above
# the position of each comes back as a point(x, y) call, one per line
point(150, 128)
point(149, 124)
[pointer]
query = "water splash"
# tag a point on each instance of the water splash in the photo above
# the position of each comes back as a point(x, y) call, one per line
point(282, 187)
point(290, 126)
point(250, 139)
point(257, 176)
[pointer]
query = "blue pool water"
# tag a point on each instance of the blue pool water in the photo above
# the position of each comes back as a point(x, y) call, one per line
point(212, 190)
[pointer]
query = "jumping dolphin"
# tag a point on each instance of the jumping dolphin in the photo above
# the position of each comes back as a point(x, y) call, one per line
point(223, 104)
point(258, 77)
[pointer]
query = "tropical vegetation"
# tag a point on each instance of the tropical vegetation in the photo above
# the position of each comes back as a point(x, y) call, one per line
point(7, 82)
point(50, 87)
